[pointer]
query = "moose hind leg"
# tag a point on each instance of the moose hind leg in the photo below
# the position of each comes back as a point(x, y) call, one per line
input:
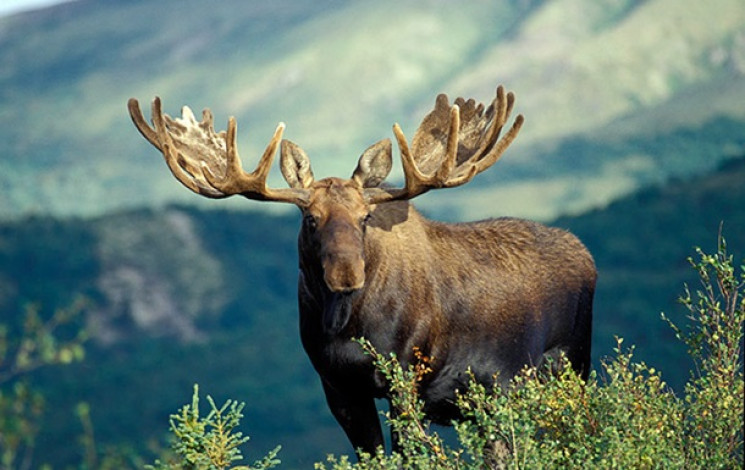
point(358, 417)
point(579, 353)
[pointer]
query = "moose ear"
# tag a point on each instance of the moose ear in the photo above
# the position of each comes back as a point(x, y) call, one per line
point(295, 166)
point(374, 165)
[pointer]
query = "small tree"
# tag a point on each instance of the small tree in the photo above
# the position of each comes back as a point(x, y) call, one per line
point(210, 442)
point(713, 417)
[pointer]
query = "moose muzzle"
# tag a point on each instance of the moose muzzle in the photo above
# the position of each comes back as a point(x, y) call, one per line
point(342, 256)
point(343, 272)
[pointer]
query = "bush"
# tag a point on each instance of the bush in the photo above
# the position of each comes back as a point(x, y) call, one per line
point(712, 424)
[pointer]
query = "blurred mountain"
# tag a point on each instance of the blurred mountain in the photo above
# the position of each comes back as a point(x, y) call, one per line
point(617, 94)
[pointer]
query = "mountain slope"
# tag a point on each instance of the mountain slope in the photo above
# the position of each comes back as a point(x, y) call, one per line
point(341, 72)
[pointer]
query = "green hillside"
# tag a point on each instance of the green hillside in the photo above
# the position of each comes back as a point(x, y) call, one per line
point(339, 73)
point(641, 244)
point(179, 295)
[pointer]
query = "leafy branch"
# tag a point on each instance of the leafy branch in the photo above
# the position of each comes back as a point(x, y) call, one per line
point(39, 343)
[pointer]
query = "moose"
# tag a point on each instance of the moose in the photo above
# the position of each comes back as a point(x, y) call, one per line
point(490, 296)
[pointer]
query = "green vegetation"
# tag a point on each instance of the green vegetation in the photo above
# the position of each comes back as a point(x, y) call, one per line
point(625, 416)
point(37, 343)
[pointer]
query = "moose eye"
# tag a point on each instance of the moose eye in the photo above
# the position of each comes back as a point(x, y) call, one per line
point(310, 221)
point(365, 220)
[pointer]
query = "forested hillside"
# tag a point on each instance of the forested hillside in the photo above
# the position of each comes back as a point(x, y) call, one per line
point(180, 295)
point(610, 89)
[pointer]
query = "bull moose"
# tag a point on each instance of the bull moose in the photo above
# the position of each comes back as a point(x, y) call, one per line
point(492, 296)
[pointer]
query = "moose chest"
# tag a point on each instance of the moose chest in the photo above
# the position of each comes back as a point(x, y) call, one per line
point(337, 355)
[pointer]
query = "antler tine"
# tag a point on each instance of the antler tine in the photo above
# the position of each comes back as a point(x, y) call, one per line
point(500, 112)
point(491, 147)
point(184, 171)
point(499, 147)
point(265, 163)
point(416, 182)
point(251, 185)
point(451, 150)
point(141, 124)
point(482, 146)
point(234, 180)
point(411, 172)
point(208, 162)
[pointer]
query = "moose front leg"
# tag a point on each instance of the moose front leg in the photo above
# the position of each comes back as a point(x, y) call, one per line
point(358, 417)
point(395, 436)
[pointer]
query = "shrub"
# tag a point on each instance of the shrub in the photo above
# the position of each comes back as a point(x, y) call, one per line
point(36, 343)
point(713, 409)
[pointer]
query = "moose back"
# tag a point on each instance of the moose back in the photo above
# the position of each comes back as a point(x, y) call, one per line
point(490, 296)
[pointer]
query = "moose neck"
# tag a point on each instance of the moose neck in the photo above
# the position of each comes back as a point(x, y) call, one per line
point(332, 309)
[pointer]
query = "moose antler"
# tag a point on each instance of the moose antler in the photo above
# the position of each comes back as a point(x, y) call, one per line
point(451, 146)
point(207, 162)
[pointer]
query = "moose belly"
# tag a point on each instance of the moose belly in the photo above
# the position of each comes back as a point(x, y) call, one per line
point(439, 388)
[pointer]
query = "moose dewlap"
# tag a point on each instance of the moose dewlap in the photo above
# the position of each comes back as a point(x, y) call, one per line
point(492, 296)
